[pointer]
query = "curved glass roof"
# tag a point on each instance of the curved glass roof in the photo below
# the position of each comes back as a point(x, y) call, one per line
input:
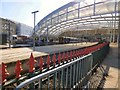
point(83, 15)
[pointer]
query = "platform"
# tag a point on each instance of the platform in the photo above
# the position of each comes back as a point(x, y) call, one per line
point(14, 54)
point(111, 66)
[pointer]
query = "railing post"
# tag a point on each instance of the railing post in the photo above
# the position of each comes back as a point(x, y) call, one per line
point(48, 86)
point(59, 59)
point(70, 76)
point(31, 63)
point(54, 80)
point(66, 56)
point(67, 77)
point(18, 69)
point(48, 62)
point(62, 78)
point(3, 73)
point(63, 57)
point(59, 80)
point(71, 56)
point(54, 60)
point(41, 67)
point(73, 74)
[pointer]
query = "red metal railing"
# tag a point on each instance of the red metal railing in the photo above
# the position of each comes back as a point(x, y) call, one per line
point(60, 59)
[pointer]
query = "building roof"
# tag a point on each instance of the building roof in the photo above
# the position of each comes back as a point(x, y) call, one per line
point(83, 15)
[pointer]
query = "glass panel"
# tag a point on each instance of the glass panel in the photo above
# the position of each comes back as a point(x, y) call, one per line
point(100, 9)
point(55, 20)
point(99, 1)
point(88, 11)
point(54, 15)
point(71, 8)
point(62, 12)
point(88, 2)
point(62, 17)
point(110, 6)
point(73, 14)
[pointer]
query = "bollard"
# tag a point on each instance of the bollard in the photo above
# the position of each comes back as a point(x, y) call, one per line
point(41, 68)
point(4, 73)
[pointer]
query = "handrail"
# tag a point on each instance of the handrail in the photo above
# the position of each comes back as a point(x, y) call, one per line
point(55, 70)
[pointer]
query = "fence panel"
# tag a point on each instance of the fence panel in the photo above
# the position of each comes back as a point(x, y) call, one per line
point(66, 76)
point(73, 74)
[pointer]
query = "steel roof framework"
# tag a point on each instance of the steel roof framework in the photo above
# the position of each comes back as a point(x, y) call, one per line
point(83, 15)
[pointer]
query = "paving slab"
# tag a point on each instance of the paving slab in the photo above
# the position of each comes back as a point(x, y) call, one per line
point(111, 66)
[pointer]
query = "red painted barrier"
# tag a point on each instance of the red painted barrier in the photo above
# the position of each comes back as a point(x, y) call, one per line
point(41, 63)
point(71, 56)
point(3, 73)
point(66, 56)
point(18, 69)
point(54, 59)
point(77, 53)
point(48, 61)
point(73, 53)
point(31, 63)
point(59, 58)
point(63, 57)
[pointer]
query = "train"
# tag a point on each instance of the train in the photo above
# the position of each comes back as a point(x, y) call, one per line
point(65, 40)
point(43, 40)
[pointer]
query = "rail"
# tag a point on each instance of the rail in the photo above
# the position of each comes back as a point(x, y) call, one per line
point(98, 51)
point(65, 76)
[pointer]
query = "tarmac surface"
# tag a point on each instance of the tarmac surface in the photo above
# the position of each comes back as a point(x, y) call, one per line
point(14, 54)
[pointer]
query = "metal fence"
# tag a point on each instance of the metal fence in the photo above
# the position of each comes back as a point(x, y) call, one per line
point(73, 73)
point(70, 69)
point(70, 75)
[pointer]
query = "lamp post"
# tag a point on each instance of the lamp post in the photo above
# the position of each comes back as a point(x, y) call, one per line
point(34, 30)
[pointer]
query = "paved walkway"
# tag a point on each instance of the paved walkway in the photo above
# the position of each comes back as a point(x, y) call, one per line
point(111, 66)
point(14, 54)
point(4, 46)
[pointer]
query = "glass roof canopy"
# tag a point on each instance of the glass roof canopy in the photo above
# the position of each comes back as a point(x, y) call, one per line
point(83, 15)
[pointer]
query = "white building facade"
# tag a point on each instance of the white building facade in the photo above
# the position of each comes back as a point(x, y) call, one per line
point(23, 30)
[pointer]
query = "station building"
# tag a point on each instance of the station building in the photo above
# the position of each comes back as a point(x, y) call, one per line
point(10, 29)
point(7, 29)
point(23, 29)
